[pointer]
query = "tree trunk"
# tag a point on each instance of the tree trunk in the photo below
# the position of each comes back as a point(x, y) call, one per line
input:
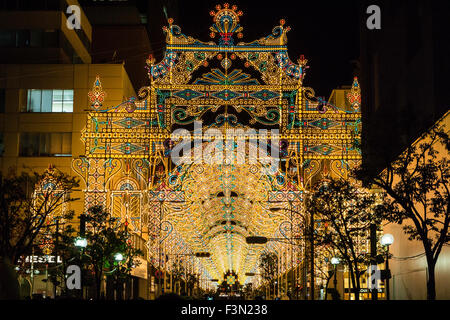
point(431, 281)
point(98, 282)
point(354, 285)
point(357, 288)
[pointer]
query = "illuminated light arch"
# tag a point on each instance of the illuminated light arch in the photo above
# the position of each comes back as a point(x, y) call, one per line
point(226, 84)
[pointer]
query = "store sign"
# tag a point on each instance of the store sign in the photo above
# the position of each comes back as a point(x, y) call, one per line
point(141, 270)
point(367, 290)
point(43, 259)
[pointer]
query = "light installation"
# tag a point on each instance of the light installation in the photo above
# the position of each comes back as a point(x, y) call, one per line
point(224, 83)
point(49, 193)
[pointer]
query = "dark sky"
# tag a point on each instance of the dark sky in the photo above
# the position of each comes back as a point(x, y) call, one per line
point(326, 32)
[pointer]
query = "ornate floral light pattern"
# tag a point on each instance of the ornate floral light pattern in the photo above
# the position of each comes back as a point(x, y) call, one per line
point(202, 207)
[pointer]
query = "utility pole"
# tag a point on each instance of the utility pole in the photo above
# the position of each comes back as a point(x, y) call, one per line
point(56, 257)
point(311, 239)
point(292, 254)
point(32, 271)
point(82, 234)
point(305, 266)
point(160, 288)
point(373, 255)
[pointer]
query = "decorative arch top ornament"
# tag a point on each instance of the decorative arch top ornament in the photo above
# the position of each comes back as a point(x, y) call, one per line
point(97, 95)
point(354, 96)
point(226, 23)
point(267, 55)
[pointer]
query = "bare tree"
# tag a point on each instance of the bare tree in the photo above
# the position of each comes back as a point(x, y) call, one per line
point(347, 212)
point(269, 267)
point(27, 202)
point(417, 183)
point(105, 241)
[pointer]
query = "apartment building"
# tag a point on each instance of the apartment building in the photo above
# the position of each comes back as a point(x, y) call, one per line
point(46, 73)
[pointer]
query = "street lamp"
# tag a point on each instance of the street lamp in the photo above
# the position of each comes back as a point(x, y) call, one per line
point(118, 257)
point(386, 240)
point(80, 242)
point(335, 261)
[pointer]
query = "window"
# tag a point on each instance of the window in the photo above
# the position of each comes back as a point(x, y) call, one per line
point(50, 100)
point(29, 38)
point(23, 38)
point(41, 5)
point(33, 144)
point(7, 38)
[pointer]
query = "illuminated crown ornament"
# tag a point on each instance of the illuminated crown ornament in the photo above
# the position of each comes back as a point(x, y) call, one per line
point(354, 96)
point(226, 23)
point(97, 95)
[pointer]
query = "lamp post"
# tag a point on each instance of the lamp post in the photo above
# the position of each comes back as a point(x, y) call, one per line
point(81, 243)
point(335, 261)
point(386, 240)
point(118, 258)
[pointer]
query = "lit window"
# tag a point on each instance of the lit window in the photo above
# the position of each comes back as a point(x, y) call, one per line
point(50, 100)
point(54, 144)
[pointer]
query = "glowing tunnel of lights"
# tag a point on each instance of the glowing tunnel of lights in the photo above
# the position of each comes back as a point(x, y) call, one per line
point(224, 204)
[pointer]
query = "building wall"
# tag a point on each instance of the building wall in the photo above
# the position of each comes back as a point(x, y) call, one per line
point(404, 75)
point(16, 79)
point(120, 34)
point(114, 44)
point(71, 46)
point(409, 277)
point(40, 52)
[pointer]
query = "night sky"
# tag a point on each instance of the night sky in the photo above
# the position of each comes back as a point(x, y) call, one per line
point(326, 32)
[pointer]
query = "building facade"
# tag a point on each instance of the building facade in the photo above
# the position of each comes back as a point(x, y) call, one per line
point(45, 78)
point(409, 265)
point(407, 100)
